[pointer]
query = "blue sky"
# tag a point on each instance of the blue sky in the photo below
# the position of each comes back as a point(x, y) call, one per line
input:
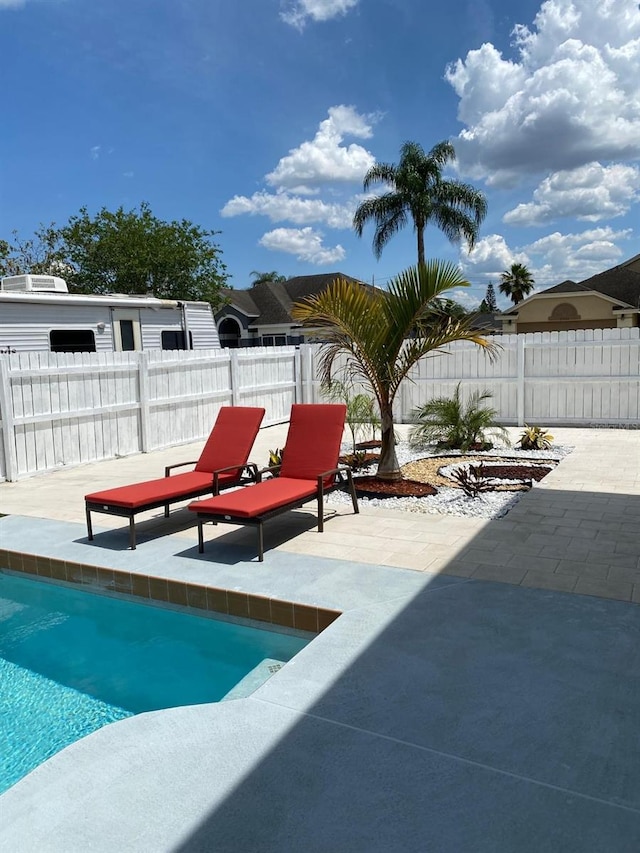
point(260, 118)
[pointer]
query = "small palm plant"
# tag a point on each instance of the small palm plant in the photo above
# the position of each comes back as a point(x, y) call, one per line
point(535, 438)
point(361, 410)
point(451, 424)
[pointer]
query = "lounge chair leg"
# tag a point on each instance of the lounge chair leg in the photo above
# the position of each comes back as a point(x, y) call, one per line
point(200, 537)
point(320, 510)
point(132, 533)
point(89, 527)
point(260, 542)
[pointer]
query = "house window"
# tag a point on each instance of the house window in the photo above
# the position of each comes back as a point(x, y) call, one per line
point(274, 340)
point(174, 339)
point(72, 340)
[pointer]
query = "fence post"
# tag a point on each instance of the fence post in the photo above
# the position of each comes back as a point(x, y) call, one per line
point(143, 386)
point(520, 380)
point(297, 376)
point(307, 378)
point(235, 377)
point(8, 425)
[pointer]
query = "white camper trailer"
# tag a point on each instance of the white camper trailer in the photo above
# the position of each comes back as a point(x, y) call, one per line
point(37, 312)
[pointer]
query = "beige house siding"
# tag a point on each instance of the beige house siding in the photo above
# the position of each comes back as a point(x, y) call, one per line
point(567, 311)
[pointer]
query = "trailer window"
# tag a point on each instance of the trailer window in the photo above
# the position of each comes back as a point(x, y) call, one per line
point(174, 339)
point(72, 340)
point(127, 336)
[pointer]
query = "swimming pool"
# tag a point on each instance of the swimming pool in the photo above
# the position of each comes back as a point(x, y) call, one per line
point(72, 661)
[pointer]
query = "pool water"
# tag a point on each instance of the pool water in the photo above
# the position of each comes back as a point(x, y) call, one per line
point(72, 661)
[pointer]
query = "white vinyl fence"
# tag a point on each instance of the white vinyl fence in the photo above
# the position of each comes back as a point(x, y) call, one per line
point(588, 377)
point(65, 409)
point(60, 410)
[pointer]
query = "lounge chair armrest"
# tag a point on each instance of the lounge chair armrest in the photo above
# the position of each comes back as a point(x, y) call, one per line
point(341, 469)
point(270, 469)
point(249, 467)
point(178, 465)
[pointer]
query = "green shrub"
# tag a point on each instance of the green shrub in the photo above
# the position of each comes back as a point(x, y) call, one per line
point(535, 438)
point(450, 424)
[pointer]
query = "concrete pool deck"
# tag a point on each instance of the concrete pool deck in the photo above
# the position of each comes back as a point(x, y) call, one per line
point(445, 709)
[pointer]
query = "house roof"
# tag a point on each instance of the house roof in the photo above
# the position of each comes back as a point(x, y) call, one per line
point(621, 283)
point(269, 303)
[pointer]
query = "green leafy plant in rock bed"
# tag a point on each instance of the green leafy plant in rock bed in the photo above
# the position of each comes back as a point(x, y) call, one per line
point(535, 438)
point(451, 424)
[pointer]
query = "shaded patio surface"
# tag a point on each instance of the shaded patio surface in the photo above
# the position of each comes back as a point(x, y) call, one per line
point(445, 710)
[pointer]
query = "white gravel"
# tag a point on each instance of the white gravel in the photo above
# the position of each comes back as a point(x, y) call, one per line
point(453, 501)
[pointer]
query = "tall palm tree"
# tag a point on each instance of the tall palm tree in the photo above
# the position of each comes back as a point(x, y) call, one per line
point(516, 283)
point(383, 333)
point(260, 277)
point(420, 193)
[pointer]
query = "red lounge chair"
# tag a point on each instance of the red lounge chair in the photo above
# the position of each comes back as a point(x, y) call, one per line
point(221, 465)
point(309, 470)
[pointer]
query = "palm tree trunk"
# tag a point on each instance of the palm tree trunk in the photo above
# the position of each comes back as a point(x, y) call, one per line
point(420, 244)
point(388, 467)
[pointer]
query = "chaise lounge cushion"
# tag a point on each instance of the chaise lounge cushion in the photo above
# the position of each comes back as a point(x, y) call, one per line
point(254, 501)
point(156, 491)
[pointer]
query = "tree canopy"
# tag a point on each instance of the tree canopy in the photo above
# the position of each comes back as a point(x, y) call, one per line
point(383, 333)
point(261, 277)
point(125, 252)
point(516, 283)
point(418, 192)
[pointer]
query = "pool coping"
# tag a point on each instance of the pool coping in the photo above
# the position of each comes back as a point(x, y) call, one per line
point(213, 599)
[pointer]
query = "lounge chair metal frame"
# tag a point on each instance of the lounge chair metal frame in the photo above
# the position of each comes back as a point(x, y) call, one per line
point(251, 476)
point(342, 476)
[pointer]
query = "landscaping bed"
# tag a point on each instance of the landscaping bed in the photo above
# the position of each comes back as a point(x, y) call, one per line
point(509, 473)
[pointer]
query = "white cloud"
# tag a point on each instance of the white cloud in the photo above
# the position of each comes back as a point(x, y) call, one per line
point(94, 152)
point(490, 256)
point(11, 4)
point(570, 97)
point(304, 243)
point(590, 193)
point(465, 298)
point(324, 158)
point(300, 12)
point(551, 259)
point(285, 207)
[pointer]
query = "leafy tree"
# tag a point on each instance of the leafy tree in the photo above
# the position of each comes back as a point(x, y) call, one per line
point(261, 277)
point(371, 328)
point(123, 252)
point(516, 283)
point(40, 255)
point(135, 252)
point(419, 193)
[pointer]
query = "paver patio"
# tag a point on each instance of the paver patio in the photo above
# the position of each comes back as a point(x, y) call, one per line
point(442, 711)
point(576, 531)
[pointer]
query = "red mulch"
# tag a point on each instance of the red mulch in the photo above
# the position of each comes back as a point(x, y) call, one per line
point(518, 472)
point(370, 487)
point(369, 445)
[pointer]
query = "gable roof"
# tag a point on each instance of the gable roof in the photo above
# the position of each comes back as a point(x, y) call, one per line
point(269, 303)
point(621, 283)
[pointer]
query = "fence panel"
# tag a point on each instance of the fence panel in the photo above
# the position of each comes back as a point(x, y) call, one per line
point(66, 409)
